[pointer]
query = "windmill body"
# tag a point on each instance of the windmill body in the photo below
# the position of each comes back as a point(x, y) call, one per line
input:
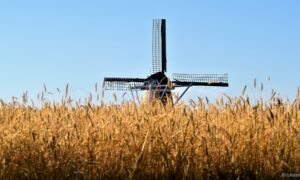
point(158, 85)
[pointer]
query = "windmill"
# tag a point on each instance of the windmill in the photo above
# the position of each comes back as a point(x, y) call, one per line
point(158, 85)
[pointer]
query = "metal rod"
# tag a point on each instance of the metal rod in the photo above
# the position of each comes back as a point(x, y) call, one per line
point(163, 93)
point(187, 88)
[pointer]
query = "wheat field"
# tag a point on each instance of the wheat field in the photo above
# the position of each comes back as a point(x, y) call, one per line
point(231, 138)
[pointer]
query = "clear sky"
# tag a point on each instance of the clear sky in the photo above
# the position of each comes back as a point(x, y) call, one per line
point(80, 42)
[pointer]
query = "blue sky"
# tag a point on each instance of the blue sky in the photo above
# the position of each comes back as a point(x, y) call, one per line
point(80, 42)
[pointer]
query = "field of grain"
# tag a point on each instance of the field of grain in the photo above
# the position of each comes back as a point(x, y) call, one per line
point(229, 138)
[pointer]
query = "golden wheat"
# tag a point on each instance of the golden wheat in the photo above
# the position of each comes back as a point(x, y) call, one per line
point(227, 139)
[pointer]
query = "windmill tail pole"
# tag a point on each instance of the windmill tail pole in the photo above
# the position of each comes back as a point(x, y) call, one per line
point(187, 88)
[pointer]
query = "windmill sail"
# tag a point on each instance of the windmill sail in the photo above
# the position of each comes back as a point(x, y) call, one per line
point(200, 80)
point(159, 53)
point(123, 84)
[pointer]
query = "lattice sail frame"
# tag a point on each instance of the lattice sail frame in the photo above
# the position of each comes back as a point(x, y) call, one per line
point(159, 59)
point(202, 78)
point(123, 84)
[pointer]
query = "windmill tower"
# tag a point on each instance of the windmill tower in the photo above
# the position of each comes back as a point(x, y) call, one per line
point(158, 85)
